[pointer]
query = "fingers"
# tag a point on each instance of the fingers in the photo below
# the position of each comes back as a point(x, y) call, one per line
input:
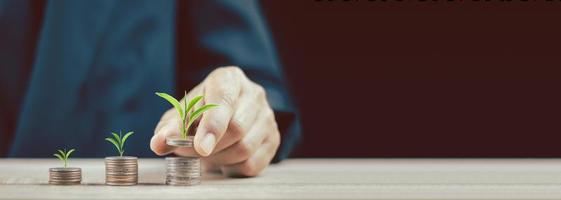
point(239, 137)
point(165, 128)
point(189, 152)
point(248, 145)
point(257, 162)
point(168, 115)
point(164, 120)
point(158, 145)
point(221, 87)
point(169, 125)
point(248, 107)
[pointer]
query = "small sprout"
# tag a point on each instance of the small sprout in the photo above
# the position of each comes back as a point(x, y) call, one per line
point(186, 113)
point(63, 155)
point(118, 141)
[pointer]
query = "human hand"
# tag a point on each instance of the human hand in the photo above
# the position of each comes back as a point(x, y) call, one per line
point(240, 137)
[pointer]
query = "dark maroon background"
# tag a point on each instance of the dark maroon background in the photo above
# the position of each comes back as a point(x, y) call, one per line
point(423, 79)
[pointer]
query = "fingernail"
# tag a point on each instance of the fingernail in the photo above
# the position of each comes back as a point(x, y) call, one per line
point(208, 143)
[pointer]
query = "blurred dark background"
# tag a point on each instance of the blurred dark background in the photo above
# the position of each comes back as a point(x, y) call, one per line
point(423, 78)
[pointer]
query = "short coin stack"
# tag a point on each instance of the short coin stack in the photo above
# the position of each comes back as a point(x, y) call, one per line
point(182, 170)
point(65, 176)
point(121, 170)
point(179, 142)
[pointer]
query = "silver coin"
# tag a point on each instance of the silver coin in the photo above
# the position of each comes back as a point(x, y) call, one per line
point(122, 158)
point(127, 183)
point(183, 178)
point(122, 163)
point(183, 183)
point(65, 183)
point(185, 160)
point(60, 176)
point(65, 173)
point(189, 174)
point(183, 164)
point(178, 141)
point(65, 169)
point(116, 170)
point(182, 170)
point(121, 179)
point(182, 158)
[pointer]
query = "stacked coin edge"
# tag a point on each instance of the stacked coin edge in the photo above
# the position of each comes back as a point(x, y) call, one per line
point(121, 171)
point(65, 176)
point(183, 171)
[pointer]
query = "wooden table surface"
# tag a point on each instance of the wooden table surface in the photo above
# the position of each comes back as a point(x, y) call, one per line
point(305, 179)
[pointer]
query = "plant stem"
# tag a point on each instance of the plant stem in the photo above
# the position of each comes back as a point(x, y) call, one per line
point(186, 131)
point(183, 130)
point(183, 121)
point(65, 157)
point(121, 151)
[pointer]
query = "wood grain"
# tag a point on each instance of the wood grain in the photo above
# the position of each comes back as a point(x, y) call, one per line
point(305, 179)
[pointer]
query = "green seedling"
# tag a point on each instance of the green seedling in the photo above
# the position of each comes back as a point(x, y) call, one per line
point(118, 140)
point(186, 113)
point(63, 155)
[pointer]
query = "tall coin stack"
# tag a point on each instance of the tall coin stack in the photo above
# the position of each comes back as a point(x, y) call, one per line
point(184, 171)
point(65, 176)
point(121, 170)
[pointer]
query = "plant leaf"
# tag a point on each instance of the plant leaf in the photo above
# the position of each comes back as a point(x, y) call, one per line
point(59, 157)
point(185, 110)
point(173, 102)
point(186, 113)
point(192, 104)
point(199, 112)
point(114, 143)
point(117, 137)
point(125, 138)
point(62, 153)
point(68, 153)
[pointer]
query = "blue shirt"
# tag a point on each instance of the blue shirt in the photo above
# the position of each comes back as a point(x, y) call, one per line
point(96, 65)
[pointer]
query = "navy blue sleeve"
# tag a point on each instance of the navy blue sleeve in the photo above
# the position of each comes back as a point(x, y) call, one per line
point(234, 32)
point(96, 68)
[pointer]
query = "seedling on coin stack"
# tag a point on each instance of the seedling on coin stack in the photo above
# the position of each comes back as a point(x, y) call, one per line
point(120, 170)
point(187, 116)
point(64, 175)
point(184, 170)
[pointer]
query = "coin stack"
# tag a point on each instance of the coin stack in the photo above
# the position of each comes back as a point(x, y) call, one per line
point(182, 170)
point(65, 176)
point(180, 142)
point(121, 170)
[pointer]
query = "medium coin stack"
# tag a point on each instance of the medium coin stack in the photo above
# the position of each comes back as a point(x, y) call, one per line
point(121, 170)
point(184, 171)
point(65, 176)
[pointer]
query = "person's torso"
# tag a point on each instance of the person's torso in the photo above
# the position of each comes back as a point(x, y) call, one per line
point(96, 67)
